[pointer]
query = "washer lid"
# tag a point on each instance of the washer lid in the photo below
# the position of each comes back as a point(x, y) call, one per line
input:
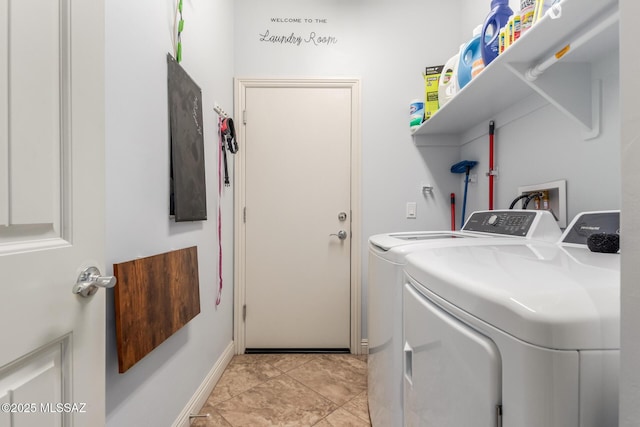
point(389, 241)
point(534, 225)
point(540, 293)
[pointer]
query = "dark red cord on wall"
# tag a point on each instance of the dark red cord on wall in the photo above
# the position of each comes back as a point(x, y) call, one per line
point(491, 148)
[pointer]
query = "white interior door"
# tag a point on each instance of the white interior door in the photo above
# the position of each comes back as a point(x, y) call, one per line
point(51, 212)
point(297, 248)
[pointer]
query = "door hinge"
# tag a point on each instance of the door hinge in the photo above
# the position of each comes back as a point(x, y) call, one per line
point(244, 214)
point(244, 312)
point(244, 117)
point(498, 415)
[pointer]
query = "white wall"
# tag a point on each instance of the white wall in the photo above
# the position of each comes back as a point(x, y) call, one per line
point(630, 250)
point(138, 37)
point(547, 146)
point(388, 44)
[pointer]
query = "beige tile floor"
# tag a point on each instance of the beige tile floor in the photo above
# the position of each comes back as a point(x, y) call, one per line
point(296, 390)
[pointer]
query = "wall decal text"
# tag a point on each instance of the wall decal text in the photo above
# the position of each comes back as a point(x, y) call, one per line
point(294, 38)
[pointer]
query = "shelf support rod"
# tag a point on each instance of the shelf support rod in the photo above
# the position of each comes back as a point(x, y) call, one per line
point(534, 72)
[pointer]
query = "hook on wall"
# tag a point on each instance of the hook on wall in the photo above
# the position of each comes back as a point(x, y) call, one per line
point(218, 109)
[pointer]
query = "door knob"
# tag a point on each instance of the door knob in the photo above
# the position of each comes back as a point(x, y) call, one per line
point(90, 280)
point(341, 234)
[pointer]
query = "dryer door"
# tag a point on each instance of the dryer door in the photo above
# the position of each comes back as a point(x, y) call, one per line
point(452, 373)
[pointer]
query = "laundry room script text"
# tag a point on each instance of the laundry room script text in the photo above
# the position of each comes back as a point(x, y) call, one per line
point(297, 38)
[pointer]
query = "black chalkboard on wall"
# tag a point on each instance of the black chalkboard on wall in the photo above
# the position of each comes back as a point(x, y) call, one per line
point(188, 199)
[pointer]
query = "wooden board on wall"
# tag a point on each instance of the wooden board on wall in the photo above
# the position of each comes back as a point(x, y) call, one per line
point(154, 297)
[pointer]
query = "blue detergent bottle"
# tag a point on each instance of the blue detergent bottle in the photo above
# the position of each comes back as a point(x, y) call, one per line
point(470, 53)
point(497, 18)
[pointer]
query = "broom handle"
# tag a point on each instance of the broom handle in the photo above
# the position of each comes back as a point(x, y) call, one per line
point(464, 202)
point(453, 211)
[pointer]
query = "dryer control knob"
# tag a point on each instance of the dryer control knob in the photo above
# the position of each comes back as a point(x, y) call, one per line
point(493, 220)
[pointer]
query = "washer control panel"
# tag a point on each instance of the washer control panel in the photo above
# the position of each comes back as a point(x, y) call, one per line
point(508, 223)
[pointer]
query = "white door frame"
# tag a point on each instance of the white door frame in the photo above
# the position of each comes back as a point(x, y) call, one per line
point(241, 84)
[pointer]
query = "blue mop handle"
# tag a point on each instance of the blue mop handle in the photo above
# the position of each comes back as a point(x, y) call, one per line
point(464, 202)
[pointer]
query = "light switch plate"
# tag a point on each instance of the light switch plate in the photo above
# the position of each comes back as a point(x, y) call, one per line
point(411, 209)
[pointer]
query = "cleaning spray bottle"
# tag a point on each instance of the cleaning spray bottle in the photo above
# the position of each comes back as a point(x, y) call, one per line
point(497, 18)
point(527, 9)
point(541, 8)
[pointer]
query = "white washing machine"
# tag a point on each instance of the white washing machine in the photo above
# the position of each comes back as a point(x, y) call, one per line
point(387, 254)
point(514, 335)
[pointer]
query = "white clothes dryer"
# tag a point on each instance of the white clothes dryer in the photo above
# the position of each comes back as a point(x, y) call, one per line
point(387, 254)
point(514, 335)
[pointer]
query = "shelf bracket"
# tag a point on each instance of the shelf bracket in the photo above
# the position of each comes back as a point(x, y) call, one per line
point(569, 88)
point(596, 110)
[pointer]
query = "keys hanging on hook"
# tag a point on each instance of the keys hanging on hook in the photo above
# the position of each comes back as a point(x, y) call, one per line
point(229, 135)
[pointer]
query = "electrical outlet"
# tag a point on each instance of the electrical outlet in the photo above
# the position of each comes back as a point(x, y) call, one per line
point(557, 192)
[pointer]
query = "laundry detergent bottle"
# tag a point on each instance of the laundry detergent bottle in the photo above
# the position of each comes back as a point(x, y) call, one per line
point(448, 83)
point(470, 57)
point(497, 18)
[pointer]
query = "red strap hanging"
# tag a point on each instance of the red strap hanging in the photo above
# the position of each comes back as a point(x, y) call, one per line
point(226, 141)
point(220, 154)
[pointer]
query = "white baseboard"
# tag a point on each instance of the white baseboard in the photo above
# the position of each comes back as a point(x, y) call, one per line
point(200, 397)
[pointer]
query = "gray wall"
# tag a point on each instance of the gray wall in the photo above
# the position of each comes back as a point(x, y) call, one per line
point(630, 250)
point(138, 37)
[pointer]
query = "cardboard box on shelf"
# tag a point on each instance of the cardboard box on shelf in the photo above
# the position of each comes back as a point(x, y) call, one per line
point(431, 81)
